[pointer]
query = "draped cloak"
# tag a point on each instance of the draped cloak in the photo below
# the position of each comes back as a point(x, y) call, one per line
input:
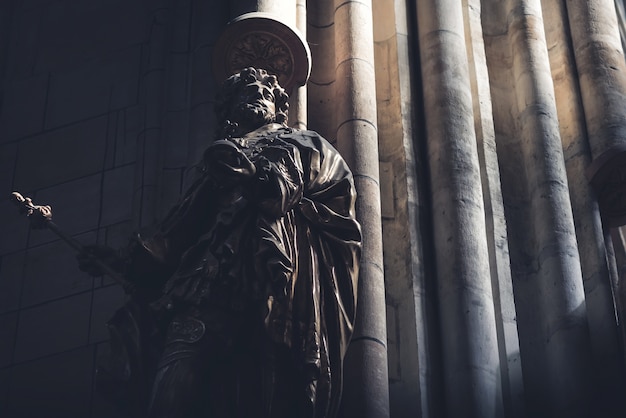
point(279, 240)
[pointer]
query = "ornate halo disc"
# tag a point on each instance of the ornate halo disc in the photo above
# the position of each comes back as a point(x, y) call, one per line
point(260, 40)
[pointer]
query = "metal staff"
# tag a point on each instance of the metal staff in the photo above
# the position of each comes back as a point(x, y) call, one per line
point(41, 217)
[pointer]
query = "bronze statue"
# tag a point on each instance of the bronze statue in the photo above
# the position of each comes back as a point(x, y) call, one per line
point(243, 303)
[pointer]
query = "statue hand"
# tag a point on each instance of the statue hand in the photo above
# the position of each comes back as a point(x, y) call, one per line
point(87, 259)
point(39, 215)
point(226, 162)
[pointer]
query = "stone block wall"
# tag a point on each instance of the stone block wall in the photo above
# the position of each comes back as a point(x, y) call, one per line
point(70, 74)
point(104, 104)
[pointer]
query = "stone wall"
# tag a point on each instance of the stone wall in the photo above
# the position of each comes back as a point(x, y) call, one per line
point(72, 112)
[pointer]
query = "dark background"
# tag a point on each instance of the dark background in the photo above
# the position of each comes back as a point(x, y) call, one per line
point(97, 119)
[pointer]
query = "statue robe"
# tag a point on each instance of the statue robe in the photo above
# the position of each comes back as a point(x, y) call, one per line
point(274, 249)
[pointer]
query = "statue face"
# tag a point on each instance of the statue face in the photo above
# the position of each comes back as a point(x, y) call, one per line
point(254, 105)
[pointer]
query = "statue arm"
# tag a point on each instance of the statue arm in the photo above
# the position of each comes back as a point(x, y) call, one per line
point(227, 165)
point(151, 261)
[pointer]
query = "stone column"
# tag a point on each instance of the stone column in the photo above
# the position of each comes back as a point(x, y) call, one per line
point(602, 76)
point(548, 283)
point(285, 10)
point(497, 238)
point(297, 104)
point(321, 86)
point(616, 255)
point(366, 390)
point(468, 328)
point(608, 367)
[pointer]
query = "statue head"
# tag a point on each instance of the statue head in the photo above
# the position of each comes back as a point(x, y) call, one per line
point(248, 100)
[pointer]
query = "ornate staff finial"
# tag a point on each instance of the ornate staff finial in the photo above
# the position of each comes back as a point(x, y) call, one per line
point(40, 217)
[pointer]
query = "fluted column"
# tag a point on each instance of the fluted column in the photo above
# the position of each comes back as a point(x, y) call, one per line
point(602, 76)
point(470, 348)
point(365, 392)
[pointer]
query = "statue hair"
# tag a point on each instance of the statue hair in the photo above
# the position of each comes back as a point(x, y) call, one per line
point(231, 86)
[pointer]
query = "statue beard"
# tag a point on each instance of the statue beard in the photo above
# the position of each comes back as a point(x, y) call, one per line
point(254, 115)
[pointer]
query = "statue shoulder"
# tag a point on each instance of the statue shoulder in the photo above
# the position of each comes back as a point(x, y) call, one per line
point(307, 139)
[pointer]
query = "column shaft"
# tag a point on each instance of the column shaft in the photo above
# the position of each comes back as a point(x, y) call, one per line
point(548, 285)
point(321, 86)
point(366, 392)
point(470, 348)
point(298, 98)
point(497, 238)
point(608, 366)
point(602, 76)
point(285, 10)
